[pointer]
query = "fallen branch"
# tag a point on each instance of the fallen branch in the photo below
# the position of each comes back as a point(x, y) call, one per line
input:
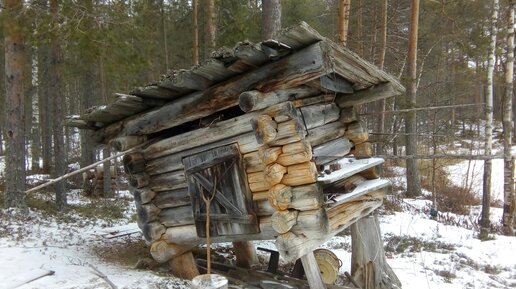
point(27, 277)
point(102, 276)
point(443, 156)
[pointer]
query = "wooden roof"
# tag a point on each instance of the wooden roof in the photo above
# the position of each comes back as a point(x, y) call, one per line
point(299, 55)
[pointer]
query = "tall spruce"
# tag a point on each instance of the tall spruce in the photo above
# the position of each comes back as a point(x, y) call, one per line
point(413, 183)
point(14, 104)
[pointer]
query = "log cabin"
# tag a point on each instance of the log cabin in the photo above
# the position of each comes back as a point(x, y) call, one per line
point(268, 132)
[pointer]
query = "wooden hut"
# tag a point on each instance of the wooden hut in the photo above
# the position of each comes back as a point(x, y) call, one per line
point(269, 129)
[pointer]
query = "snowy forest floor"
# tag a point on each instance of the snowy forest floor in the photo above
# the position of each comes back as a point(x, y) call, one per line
point(424, 253)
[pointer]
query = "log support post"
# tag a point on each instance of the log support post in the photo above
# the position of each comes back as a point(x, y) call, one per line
point(312, 272)
point(183, 266)
point(245, 253)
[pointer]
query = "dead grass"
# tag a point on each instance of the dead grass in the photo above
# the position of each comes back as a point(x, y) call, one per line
point(126, 252)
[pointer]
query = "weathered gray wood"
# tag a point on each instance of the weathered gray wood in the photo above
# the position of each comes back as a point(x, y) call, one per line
point(245, 254)
point(147, 213)
point(171, 199)
point(332, 150)
point(251, 53)
point(255, 100)
point(162, 251)
point(319, 114)
point(361, 189)
point(139, 180)
point(357, 132)
point(127, 142)
point(305, 65)
point(299, 35)
point(253, 162)
point(214, 70)
point(351, 167)
point(168, 181)
point(152, 231)
point(143, 195)
point(133, 163)
point(186, 79)
point(154, 91)
point(335, 83)
point(325, 133)
point(219, 131)
point(348, 114)
point(369, 267)
point(302, 198)
point(265, 128)
point(312, 272)
point(177, 216)
point(187, 234)
point(374, 93)
point(283, 221)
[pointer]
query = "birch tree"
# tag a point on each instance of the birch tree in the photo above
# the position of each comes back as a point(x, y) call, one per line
point(509, 200)
point(344, 6)
point(486, 189)
point(14, 104)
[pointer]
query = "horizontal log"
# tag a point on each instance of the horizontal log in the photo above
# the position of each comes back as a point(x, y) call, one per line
point(152, 231)
point(143, 195)
point(289, 132)
point(302, 198)
point(133, 163)
point(283, 221)
point(325, 133)
point(139, 180)
point(362, 150)
point(332, 150)
point(374, 93)
point(294, 245)
point(162, 251)
point(168, 181)
point(285, 111)
point(172, 199)
point(221, 130)
point(178, 216)
point(295, 153)
point(253, 163)
point(257, 182)
point(348, 114)
point(269, 155)
point(246, 143)
point(371, 173)
point(305, 65)
point(121, 144)
point(356, 132)
point(300, 174)
point(260, 196)
point(256, 100)
point(264, 208)
point(372, 186)
point(147, 213)
point(265, 128)
point(188, 234)
point(319, 114)
point(274, 173)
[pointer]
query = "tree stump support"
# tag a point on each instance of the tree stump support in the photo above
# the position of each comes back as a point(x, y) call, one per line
point(368, 265)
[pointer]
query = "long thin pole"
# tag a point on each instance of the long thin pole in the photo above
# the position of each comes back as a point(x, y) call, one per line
point(424, 108)
point(51, 182)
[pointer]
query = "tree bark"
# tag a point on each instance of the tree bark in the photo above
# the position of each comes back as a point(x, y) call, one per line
point(344, 6)
point(381, 62)
point(509, 199)
point(486, 194)
point(14, 104)
point(413, 184)
point(209, 31)
point(195, 18)
point(271, 18)
point(57, 125)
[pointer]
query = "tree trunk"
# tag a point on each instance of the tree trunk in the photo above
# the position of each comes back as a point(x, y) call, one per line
point(413, 184)
point(509, 200)
point(486, 194)
point(381, 61)
point(45, 114)
point(271, 18)
point(209, 28)
point(14, 104)
point(195, 45)
point(59, 154)
point(344, 6)
point(164, 38)
point(368, 265)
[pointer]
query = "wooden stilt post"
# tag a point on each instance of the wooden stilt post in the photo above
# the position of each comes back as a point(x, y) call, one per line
point(245, 253)
point(312, 272)
point(183, 266)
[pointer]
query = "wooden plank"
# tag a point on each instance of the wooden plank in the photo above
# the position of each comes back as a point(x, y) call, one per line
point(332, 150)
point(350, 167)
point(335, 83)
point(373, 93)
point(172, 198)
point(255, 100)
point(319, 114)
point(302, 198)
point(178, 216)
point(289, 71)
point(185, 80)
point(312, 271)
point(362, 189)
point(168, 181)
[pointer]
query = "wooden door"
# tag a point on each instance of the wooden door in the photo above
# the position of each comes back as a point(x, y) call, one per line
point(219, 171)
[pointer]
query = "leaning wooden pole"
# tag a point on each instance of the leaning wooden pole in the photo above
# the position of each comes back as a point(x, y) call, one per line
point(51, 182)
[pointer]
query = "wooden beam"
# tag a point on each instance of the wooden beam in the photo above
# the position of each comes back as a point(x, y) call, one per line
point(374, 93)
point(312, 271)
